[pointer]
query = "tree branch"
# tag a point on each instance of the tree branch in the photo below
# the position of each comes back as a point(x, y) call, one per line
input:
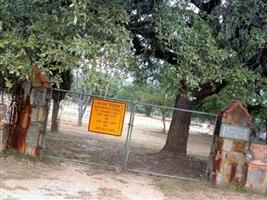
point(206, 7)
point(145, 42)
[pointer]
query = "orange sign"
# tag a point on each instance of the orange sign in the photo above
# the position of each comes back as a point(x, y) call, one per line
point(107, 117)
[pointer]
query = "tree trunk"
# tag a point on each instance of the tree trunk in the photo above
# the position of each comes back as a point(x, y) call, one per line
point(83, 102)
point(148, 110)
point(54, 122)
point(179, 127)
point(80, 115)
point(106, 90)
point(80, 119)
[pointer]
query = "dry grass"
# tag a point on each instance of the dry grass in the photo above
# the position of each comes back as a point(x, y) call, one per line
point(179, 190)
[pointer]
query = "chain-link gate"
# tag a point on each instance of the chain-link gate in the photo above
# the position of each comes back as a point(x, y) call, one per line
point(72, 141)
point(149, 134)
point(139, 148)
point(144, 136)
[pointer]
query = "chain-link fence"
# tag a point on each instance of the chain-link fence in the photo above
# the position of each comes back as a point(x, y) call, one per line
point(139, 148)
point(67, 136)
point(150, 131)
point(259, 131)
point(6, 99)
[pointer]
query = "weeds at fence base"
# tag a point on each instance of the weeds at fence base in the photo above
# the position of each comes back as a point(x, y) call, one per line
point(16, 154)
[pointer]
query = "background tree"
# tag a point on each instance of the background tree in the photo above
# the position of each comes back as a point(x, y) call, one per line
point(99, 76)
point(65, 82)
point(86, 82)
point(144, 94)
point(55, 35)
point(201, 47)
point(208, 46)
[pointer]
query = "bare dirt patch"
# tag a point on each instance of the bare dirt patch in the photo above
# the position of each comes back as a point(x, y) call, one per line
point(75, 143)
point(50, 180)
point(70, 181)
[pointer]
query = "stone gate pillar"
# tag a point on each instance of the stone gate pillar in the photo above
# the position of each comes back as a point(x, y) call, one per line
point(30, 114)
point(232, 144)
point(257, 168)
point(39, 99)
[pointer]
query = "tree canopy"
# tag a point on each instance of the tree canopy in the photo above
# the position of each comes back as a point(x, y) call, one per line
point(57, 34)
point(205, 52)
point(206, 47)
point(200, 46)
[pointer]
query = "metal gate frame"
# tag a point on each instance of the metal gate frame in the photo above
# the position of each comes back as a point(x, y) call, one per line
point(128, 139)
point(129, 136)
point(129, 130)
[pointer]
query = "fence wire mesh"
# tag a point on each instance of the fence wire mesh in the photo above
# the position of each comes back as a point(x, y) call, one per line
point(139, 148)
point(259, 131)
point(144, 135)
point(6, 99)
point(150, 129)
point(73, 141)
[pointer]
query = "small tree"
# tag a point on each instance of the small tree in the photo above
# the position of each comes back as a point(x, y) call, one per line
point(57, 96)
point(96, 76)
point(85, 84)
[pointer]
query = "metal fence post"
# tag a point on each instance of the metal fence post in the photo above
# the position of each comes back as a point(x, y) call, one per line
point(207, 172)
point(49, 98)
point(2, 95)
point(129, 136)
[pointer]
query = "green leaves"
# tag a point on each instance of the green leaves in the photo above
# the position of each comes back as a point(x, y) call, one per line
point(56, 35)
point(187, 35)
point(14, 61)
point(75, 19)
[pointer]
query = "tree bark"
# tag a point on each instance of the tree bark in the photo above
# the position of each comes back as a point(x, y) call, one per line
point(179, 127)
point(81, 111)
point(83, 101)
point(54, 122)
point(80, 118)
point(148, 110)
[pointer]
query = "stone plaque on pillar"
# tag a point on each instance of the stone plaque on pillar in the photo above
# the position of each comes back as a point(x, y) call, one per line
point(235, 122)
point(235, 132)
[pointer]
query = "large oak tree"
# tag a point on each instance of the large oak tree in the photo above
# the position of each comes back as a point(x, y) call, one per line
point(197, 47)
point(56, 35)
point(204, 47)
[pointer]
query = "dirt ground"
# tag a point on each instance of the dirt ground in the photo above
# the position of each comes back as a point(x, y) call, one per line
point(27, 178)
point(22, 177)
point(106, 150)
point(76, 143)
